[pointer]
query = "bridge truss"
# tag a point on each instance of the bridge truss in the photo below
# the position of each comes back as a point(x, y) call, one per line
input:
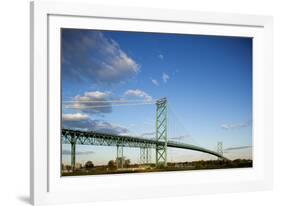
point(75, 137)
point(160, 143)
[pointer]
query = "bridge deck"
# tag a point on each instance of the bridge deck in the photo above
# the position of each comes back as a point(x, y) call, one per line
point(102, 139)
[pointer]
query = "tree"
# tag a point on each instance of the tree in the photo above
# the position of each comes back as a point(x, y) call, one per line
point(127, 162)
point(68, 167)
point(111, 164)
point(89, 165)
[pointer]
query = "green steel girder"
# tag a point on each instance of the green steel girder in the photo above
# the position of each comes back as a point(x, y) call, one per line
point(145, 155)
point(73, 151)
point(142, 155)
point(220, 149)
point(161, 132)
point(99, 139)
point(120, 157)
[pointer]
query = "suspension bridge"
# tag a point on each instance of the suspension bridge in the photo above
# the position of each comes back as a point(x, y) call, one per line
point(160, 143)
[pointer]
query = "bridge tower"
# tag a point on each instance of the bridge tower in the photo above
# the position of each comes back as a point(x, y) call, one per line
point(220, 149)
point(161, 132)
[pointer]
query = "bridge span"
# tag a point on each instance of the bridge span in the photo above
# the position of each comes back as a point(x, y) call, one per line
point(160, 143)
point(75, 137)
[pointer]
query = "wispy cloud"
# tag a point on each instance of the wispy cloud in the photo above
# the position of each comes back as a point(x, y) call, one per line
point(165, 77)
point(90, 56)
point(155, 82)
point(94, 125)
point(236, 125)
point(75, 117)
point(68, 152)
point(181, 137)
point(161, 56)
point(148, 134)
point(138, 94)
point(96, 102)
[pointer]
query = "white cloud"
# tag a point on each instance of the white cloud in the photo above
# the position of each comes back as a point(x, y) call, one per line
point(165, 77)
point(106, 127)
point(148, 134)
point(91, 102)
point(95, 125)
point(75, 117)
point(235, 126)
point(92, 57)
point(161, 56)
point(98, 95)
point(155, 82)
point(138, 93)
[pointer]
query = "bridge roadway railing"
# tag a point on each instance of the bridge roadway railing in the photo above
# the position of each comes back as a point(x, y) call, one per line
point(102, 139)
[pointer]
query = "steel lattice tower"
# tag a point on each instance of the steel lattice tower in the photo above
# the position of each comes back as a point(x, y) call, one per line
point(161, 132)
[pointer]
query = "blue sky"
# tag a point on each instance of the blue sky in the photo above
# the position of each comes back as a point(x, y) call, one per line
point(206, 79)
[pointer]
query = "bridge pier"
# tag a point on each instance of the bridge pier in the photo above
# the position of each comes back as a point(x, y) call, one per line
point(120, 157)
point(73, 152)
point(142, 155)
point(145, 155)
point(148, 155)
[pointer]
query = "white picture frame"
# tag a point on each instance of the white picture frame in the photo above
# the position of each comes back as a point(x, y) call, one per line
point(46, 184)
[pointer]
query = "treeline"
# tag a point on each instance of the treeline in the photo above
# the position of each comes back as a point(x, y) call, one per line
point(213, 164)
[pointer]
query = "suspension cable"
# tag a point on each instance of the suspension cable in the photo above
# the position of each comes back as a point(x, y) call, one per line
point(111, 105)
point(108, 101)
